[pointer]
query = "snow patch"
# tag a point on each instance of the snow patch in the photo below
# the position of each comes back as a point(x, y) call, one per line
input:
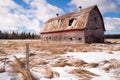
point(6, 76)
point(94, 56)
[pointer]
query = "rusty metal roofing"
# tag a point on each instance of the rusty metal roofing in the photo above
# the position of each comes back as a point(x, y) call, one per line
point(61, 23)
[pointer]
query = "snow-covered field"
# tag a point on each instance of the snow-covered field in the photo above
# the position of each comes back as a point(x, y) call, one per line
point(60, 61)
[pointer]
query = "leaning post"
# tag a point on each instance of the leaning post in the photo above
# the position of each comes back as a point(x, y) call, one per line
point(27, 56)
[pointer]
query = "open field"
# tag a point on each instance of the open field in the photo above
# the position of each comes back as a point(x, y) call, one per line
point(60, 61)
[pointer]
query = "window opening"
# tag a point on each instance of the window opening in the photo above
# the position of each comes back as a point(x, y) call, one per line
point(97, 27)
point(71, 21)
point(79, 38)
point(71, 39)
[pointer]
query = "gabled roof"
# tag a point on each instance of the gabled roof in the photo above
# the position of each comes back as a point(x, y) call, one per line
point(73, 14)
point(61, 23)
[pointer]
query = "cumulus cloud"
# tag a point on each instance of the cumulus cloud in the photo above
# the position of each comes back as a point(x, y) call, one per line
point(14, 16)
point(112, 23)
point(44, 10)
point(104, 5)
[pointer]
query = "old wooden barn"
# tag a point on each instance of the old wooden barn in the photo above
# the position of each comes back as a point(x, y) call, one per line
point(85, 25)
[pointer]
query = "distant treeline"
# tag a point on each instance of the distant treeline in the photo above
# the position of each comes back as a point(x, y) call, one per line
point(114, 36)
point(16, 35)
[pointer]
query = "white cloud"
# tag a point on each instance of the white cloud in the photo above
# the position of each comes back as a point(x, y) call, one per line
point(45, 10)
point(14, 16)
point(112, 23)
point(104, 5)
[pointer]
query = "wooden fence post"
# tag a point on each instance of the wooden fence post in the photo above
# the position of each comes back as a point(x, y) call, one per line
point(27, 56)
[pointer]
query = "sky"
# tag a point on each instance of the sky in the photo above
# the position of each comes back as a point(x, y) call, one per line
point(30, 15)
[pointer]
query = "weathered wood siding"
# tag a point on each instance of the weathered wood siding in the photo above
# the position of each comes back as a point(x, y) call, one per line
point(85, 25)
point(95, 29)
point(68, 36)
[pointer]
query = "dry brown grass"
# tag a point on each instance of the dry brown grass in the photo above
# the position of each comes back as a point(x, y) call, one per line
point(56, 74)
point(78, 49)
point(61, 64)
point(2, 51)
point(115, 63)
point(78, 62)
point(39, 59)
point(103, 62)
point(32, 54)
point(92, 65)
point(111, 64)
point(88, 48)
point(113, 40)
point(57, 51)
point(44, 54)
point(2, 70)
point(19, 67)
point(53, 47)
point(48, 72)
point(40, 62)
point(110, 52)
point(83, 74)
point(46, 49)
point(107, 68)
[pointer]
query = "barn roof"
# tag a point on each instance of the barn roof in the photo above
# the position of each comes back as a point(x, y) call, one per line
point(61, 23)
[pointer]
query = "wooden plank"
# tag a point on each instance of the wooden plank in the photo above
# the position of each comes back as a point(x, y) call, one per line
point(27, 56)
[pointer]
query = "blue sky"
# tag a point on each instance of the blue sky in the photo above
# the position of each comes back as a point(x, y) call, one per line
point(29, 15)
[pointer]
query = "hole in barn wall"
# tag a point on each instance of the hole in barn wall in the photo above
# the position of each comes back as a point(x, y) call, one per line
point(97, 27)
point(71, 39)
point(71, 21)
point(80, 39)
